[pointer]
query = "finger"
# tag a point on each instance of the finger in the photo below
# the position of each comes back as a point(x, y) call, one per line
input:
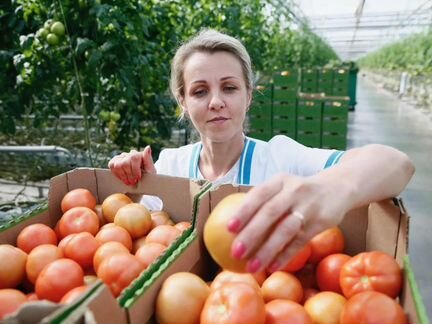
point(255, 198)
point(283, 232)
point(147, 160)
point(135, 161)
point(116, 168)
point(298, 242)
point(258, 228)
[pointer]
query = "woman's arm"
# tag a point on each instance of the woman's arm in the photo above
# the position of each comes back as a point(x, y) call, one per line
point(280, 216)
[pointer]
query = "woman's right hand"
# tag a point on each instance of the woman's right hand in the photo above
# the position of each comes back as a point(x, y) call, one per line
point(128, 167)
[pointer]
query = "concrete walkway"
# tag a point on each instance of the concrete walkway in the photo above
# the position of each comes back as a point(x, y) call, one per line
point(380, 117)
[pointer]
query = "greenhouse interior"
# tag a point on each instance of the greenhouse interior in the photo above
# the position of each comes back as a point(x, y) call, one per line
point(90, 100)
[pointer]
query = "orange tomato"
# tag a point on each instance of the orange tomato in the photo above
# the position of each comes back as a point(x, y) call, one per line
point(57, 278)
point(79, 197)
point(107, 249)
point(138, 243)
point(12, 270)
point(371, 307)
point(328, 272)
point(112, 204)
point(119, 270)
point(181, 299)
point(282, 311)
point(77, 220)
point(99, 213)
point(282, 285)
point(328, 242)
point(160, 217)
point(34, 235)
point(163, 234)
point(134, 218)
point(367, 271)
point(299, 260)
point(183, 226)
point(81, 248)
point(149, 252)
point(325, 307)
point(234, 302)
point(10, 301)
point(308, 293)
point(39, 257)
point(73, 294)
point(226, 276)
point(115, 233)
point(218, 239)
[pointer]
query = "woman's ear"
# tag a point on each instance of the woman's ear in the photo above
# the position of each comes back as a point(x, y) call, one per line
point(182, 104)
point(249, 99)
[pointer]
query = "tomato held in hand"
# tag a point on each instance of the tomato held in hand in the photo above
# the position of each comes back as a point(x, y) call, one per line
point(368, 271)
point(371, 307)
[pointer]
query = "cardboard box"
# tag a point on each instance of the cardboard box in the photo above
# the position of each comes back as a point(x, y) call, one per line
point(178, 197)
point(381, 226)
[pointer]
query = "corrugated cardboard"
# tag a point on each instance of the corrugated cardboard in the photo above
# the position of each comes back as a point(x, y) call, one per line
point(178, 196)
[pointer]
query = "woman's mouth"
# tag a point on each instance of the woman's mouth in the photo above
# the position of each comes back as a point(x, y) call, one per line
point(218, 120)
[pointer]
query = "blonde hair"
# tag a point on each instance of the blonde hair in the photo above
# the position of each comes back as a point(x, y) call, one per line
point(211, 41)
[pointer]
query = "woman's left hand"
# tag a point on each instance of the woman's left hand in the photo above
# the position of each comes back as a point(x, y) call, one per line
point(279, 217)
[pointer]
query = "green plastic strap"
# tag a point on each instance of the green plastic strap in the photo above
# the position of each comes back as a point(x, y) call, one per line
point(418, 300)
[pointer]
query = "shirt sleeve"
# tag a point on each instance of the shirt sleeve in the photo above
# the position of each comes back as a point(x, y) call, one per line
point(295, 158)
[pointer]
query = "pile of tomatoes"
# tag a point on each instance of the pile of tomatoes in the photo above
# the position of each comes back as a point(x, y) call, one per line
point(114, 241)
point(320, 285)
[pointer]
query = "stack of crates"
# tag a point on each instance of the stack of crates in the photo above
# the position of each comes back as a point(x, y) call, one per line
point(285, 89)
point(309, 117)
point(309, 80)
point(325, 81)
point(260, 114)
point(335, 122)
point(340, 86)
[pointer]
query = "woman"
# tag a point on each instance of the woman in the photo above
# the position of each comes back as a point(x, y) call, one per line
point(302, 190)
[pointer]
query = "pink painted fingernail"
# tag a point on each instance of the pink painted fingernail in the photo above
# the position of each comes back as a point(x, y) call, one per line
point(274, 267)
point(238, 250)
point(253, 265)
point(234, 225)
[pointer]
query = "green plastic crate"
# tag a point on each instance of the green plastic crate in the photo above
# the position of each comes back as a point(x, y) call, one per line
point(287, 132)
point(286, 78)
point(335, 108)
point(309, 124)
point(287, 110)
point(261, 111)
point(309, 108)
point(260, 123)
point(263, 94)
point(284, 123)
point(334, 125)
point(284, 95)
point(260, 134)
point(309, 74)
point(334, 141)
point(309, 139)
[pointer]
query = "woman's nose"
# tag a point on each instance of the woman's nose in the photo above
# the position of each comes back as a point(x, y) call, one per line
point(216, 102)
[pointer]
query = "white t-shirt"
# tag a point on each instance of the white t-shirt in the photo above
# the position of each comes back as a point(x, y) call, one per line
point(259, 161)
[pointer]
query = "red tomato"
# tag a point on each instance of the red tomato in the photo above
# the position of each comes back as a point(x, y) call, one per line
point(181, 299)
point(73, 294)
point(226, 276)
point(282, 311)
point(34, 235)
point(81, 248)
point(282, 285)
point(12, 269)
point(325, 307)
point(149, 252)
point(119, 270)
point(328, 272)
point(371, 307)
point(39, 257)
point(367, 271)
point(78, 198)
point(115, 233)
point(57, 278)
point(77, 220)
point(10, 301)
point(234, 302)
point(330, 241)
point(299, 260)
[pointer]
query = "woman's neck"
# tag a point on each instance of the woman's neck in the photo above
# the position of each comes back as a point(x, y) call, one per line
point(217, 159)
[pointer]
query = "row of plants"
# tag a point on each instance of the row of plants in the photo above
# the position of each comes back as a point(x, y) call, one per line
point(413, 54)
point(108, 61)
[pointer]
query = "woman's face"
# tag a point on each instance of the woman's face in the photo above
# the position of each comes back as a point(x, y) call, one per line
point(215, 95)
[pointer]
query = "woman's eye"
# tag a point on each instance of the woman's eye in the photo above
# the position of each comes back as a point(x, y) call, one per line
point(230, 88)
point(199, 92)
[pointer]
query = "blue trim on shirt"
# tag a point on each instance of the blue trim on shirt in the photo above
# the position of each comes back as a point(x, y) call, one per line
point(333, 159)
point(246, 172)
point(193, 165)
